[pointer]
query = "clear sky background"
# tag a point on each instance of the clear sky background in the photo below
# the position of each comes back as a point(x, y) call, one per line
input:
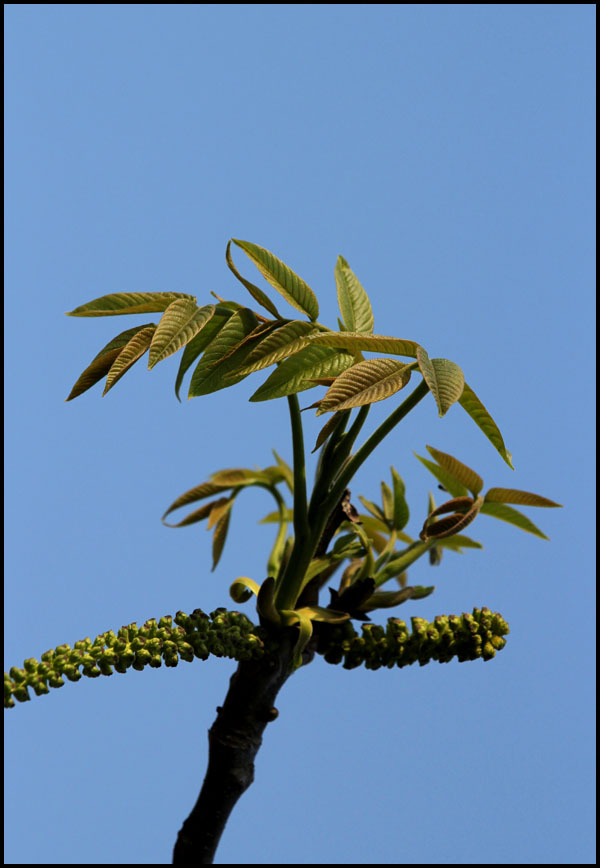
point(447, 152)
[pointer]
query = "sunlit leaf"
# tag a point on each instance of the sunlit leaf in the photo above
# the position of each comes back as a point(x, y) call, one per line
point(371, 343)
point(286, 341)
point(353, 300)
point(319, 613)
point(292, 288)
point(375, 510)
point(242, 589)
point(458, 542)
point(460, 471)
point(219, 509)
point(128, 302)
point(291, 375)
point(256, 293)
point(512, 516)
point(471, 403)
point(386, 599)
point(275, 517)
point(466, 510)
point(364, 383)
point(210, 371)
point(131, 352)
point(197, 346)
point(288, 473)
point(290, 617)
point(402, 561)
point(179, 324)
point(513, 495)
point(219, 537)
point(265, 603)
point(238, 477)
point(387, 500)
point(444, 378)
point(447, 479)
point(194, 517)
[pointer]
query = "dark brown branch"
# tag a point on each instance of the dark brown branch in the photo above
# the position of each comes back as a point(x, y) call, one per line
point(234, 740)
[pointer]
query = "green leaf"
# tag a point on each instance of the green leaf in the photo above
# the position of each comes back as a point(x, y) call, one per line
point(131, 352)
point(179, 324)
point(219, 509)
point(402, 561)
point(364, 383)
point(219, 537)
point(286, 341)
point(444, 378)
point(513, 495)
point(353, 300)
point(194, 517)
point(478, 413)
point(460, 471)
point(458, 542)
point(447, 479)
point(265, 603)
point(512, 516)
point(128, 302)
point(375, 510)
point(387, 500)
point(199, 492)
point(256, 293)
point(290, 617)
point(372, 343)
point(237, 477)
point(401, 510)
point(275, 517)
point(103, 361)
point(292, 288)
point(209, 374)
point(386, 599)
point(198, 344)
point(292, 375)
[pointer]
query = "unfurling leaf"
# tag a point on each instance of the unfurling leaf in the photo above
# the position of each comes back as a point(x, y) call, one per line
point(460, 471)
point(179, 324)
point(513, 495)
point(256, 293)
point(478, 413)
point(326, 430)
point(444, 378)
point(353, 300)
point(278, 274)
point(286, 341)
point(319, 613)
point(242, 588)
point(364, 383)
point(401, 510)
point(219, 509)
point(294, 374)
point(372, 343)
point(131, 352)
point(466, 510)
point(219, 537)
point(129, 302)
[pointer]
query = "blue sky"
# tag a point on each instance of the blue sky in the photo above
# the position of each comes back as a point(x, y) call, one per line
point(447, 152)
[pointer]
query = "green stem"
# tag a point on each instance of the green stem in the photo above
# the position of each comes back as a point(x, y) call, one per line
point(371, 444)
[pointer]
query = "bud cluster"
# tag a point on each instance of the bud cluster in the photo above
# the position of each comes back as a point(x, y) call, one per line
point(466, 637)
point(222, 633)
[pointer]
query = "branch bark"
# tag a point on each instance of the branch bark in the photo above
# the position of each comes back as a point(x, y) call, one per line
point(234, 740)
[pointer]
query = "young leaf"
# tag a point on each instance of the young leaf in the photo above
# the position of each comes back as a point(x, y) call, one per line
point(219, 537)
point(286, 341)
point(512, 516)
point(375, 511)
point(318, 613)
point(460, 471)
point(447, 479)
point(288, 473)
point(354, 302)
point(401, 510)
point(197, 346)
point(179, 324)
point(292, 375)
point(242, 589)
point(326, 430)
point(478, 413)
point(513, 495)
point(387, 500)
point(364, 383)
point(292, 288)
point(457, 543)
point(210, 371)
point(256, 293)
point(219, 508)
point(131, 352)
point(128, 302)
point(102, 361)
point(238, 477)
point(205, 489)
point(444, 378)
point(372, 343)
point(198, 515)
